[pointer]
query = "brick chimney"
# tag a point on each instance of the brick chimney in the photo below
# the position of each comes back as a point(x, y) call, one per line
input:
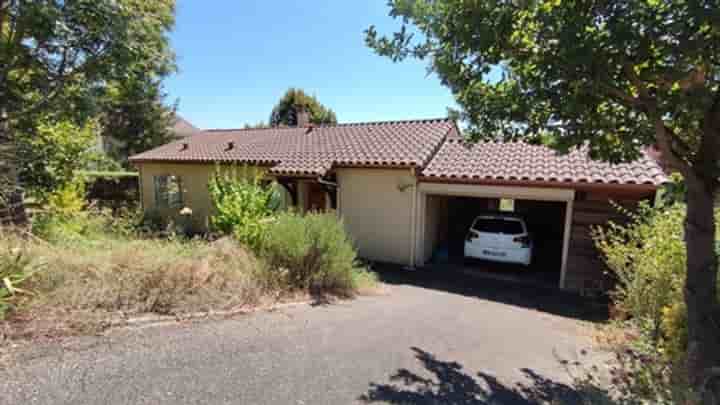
point(302, 117)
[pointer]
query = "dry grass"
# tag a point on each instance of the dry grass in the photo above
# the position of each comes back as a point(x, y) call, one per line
point(164, 277)
point(80, 288)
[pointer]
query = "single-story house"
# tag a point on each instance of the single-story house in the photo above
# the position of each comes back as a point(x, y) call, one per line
point(406, 189)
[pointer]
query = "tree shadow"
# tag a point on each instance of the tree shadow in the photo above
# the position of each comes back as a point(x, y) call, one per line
point(448, 383)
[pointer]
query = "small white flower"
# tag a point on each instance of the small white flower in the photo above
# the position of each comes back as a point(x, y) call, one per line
point(187, 211)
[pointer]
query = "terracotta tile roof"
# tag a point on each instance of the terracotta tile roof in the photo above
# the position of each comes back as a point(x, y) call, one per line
point(181, 128)
point(517, 161)
point(312, 151)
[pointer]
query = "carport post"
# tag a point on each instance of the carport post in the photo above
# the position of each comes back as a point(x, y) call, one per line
point(566, 241)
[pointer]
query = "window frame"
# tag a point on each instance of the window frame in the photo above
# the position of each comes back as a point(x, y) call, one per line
point(164, 197)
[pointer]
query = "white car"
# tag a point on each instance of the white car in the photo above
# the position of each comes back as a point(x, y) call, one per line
point(499, 238)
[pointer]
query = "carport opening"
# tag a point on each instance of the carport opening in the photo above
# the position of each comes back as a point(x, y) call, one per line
point(449, 219)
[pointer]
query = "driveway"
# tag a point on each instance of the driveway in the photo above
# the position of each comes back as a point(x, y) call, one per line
point(427, 341)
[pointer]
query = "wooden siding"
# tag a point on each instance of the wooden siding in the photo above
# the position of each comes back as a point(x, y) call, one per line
point(586, 271)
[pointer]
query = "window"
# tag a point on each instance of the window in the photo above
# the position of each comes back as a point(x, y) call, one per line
point(507, 205)
point(168, 191)
point(496, 225)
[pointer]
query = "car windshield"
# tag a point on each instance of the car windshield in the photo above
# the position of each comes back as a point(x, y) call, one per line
point(498, 225)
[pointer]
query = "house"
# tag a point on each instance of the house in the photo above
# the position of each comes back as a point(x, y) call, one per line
point(407, 189)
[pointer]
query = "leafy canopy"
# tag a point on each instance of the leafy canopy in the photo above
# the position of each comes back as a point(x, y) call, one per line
point(134, 116)
point(57, 57)
point(285, 112)
point(48, 47)
point(53, 153)
point(617, 74)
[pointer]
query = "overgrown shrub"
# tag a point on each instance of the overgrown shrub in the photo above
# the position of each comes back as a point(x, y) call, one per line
point(243, 204)
point(16, 266)
point(313, 252)
point(160, 276)
point(648, 258)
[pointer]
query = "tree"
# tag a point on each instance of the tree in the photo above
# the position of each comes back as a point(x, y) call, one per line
point(615, 75)
point(55, 54)
point(285, 112)
point(134, 115)
point(53, 152)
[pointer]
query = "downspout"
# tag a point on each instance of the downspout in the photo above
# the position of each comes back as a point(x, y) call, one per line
point(141, 195)
point(413, 220)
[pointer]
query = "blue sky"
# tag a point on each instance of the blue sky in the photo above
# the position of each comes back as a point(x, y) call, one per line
point(236, 58)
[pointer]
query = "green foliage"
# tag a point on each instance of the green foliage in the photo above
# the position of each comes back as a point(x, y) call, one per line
point(314, 252)
point(674, 191)
point(582, 72)
point(135, 117)
point(69, 199)
point(58, 56)
point(285, 112)
point(16, 266)
point(243, 204)
point(648, 258)
point(52, 152)
point(90, 226)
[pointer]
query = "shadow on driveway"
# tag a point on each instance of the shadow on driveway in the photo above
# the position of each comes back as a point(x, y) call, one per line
point(447, 383)
point(537, 297)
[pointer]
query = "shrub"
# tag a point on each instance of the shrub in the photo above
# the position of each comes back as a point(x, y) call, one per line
point(53, 151)
point(648, 257)
point(243, 204)
point(90, 226)
point(16, 266)
point(314, 252)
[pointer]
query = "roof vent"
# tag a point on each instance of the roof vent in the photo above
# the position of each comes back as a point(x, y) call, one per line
point(230, 145)
point(184, 146)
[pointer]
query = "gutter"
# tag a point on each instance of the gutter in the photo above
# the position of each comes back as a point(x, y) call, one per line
point(327, 183)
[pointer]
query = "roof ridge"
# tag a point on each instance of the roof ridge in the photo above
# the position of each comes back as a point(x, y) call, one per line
point(419, 120)
point(344, 124)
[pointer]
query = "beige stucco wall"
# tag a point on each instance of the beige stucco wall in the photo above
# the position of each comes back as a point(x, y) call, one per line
point(376, 206)
point(195, 178)
point(435, 219)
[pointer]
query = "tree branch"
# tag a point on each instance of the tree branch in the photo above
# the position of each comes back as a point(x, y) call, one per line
point(664, 142)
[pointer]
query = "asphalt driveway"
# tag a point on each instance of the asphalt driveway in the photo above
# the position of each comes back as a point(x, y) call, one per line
point(428, 341)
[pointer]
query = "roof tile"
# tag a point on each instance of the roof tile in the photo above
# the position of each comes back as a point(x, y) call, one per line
point(458, 159)
point(312, 151)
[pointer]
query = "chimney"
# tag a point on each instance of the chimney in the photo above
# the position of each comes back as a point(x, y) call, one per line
point(302, 117)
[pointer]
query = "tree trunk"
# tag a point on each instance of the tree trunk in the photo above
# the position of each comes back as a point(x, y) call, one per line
point(701, 285)
point(12, 206)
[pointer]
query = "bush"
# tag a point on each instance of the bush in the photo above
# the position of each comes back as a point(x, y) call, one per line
point(53, 151)
point(314, 253)
point(16, 266)
point(243, 204)
point(648, 257)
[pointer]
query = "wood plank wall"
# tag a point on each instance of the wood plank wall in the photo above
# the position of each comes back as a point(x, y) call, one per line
point(586, 271)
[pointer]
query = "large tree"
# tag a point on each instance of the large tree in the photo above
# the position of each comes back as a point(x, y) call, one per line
point(55, 54)
point(616, 75)
point(134, 115)
point(285, 111)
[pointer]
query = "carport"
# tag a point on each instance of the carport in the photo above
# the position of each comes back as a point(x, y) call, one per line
point(444, 212)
